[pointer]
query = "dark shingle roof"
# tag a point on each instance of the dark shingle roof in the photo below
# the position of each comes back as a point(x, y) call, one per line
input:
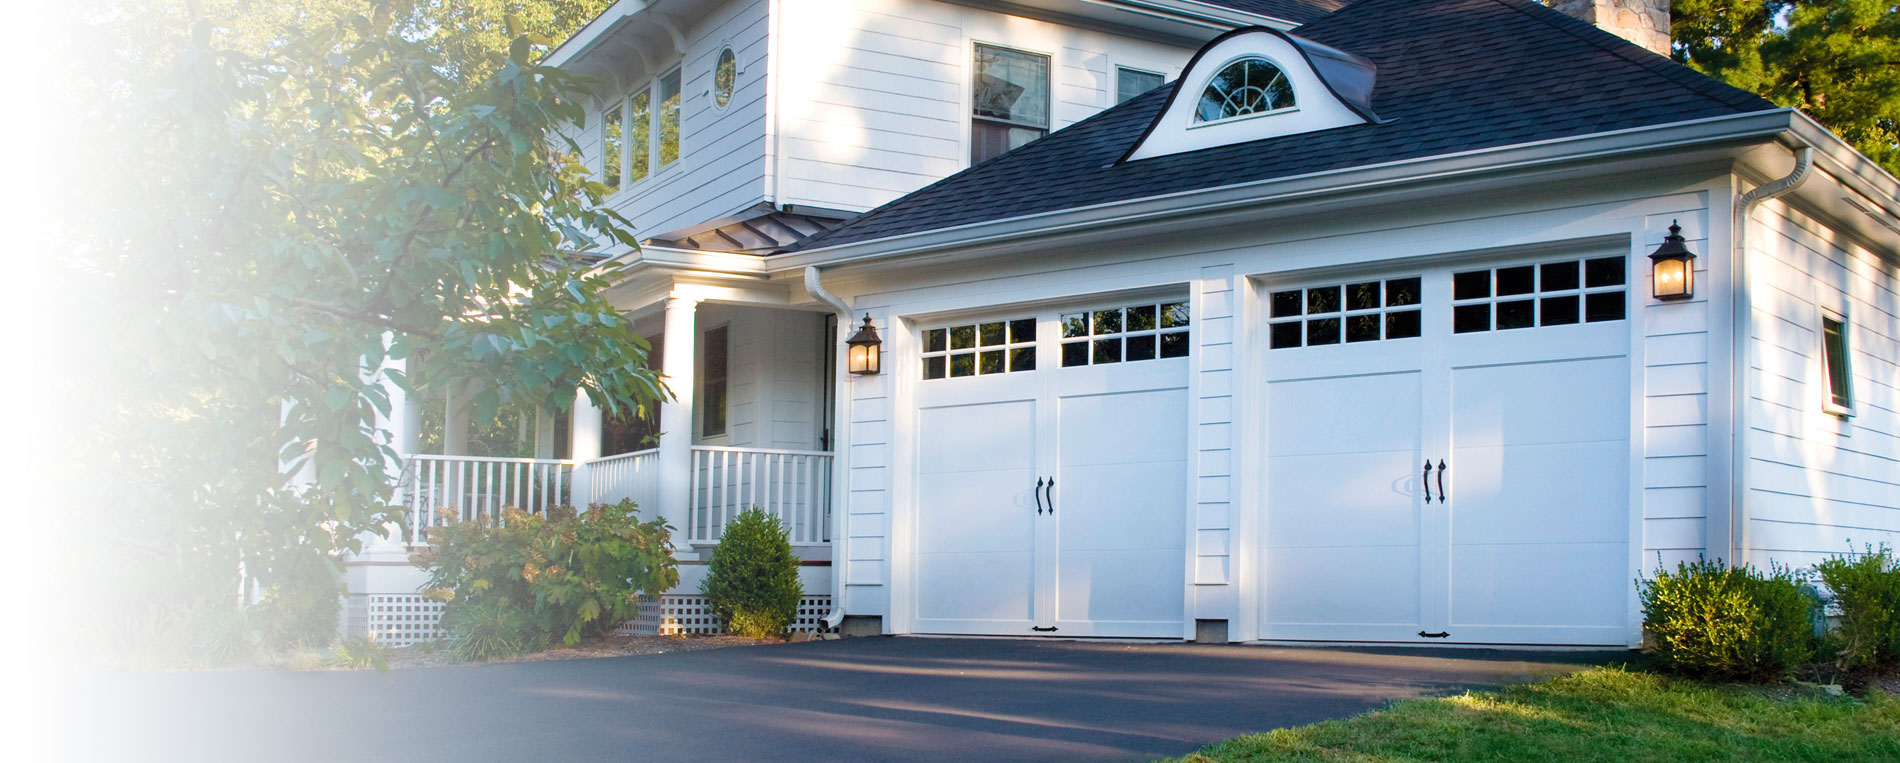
point(1454, 75)
point(1296, 11)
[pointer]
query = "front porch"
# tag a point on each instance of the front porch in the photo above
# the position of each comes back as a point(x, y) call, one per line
point(748, 426)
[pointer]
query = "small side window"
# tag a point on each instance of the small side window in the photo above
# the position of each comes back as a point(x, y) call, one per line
point(1836, 361)
point(712, 384)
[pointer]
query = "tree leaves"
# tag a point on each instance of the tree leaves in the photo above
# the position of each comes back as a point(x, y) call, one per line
point(1837, 60)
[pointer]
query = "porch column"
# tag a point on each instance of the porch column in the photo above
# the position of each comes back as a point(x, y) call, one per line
point(455, 419)
point(583, 444)
point(676, 416)
point(543, 433)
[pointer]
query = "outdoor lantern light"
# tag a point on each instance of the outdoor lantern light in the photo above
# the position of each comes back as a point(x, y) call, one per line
point(862, 349)
point(1673, 267)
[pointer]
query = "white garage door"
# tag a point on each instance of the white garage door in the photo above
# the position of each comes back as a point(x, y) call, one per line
point(1052, 473)
point(1448, 455)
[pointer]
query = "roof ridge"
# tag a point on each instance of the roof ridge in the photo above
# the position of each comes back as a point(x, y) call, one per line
point(1663, 66)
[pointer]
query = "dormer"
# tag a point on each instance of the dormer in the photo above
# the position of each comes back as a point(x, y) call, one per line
point(1256, 83)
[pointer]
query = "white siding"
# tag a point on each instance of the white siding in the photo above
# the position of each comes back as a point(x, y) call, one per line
point(722, 162)
point(772, 395)
point(1675, 389)
point(867, 489)
point(875, 94)
point(1213, 320)
point(1817, 482)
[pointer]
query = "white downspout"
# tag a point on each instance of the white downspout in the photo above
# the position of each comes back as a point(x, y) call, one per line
point(1744, 317)
point(840, 448)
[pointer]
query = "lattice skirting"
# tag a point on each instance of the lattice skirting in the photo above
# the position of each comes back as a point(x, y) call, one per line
point(397, 619)
point(405, 619)
point(686, 614)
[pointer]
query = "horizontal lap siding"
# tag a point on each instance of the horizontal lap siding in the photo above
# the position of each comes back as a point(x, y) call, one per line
point(1817, 482)
point(721, 169)
point(867, 488)
point(875, 93)
point(1675, 445)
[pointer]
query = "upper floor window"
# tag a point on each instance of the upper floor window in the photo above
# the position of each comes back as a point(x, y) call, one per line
point(636, 137)
point(725, 77)
point(1251, 85)
point(1132, 82)
point(1010, 103)
point(1836, 361)
point(668, 148)
point(612, 146)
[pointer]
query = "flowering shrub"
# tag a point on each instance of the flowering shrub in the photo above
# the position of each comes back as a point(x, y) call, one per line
point(520, 584)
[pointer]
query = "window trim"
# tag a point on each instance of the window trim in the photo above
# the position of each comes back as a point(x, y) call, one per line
point(679, 151)
point(970, 119)
point(1194, 122)
point(1829, 404)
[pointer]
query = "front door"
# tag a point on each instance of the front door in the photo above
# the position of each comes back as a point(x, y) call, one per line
point(1447, 456)
point(1052, 474)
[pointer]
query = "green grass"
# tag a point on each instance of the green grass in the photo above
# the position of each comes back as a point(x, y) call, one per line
point(1597, 714)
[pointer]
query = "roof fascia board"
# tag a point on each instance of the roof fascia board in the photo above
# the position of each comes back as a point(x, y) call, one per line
point(594, 32)
point(1757, 125)
point(1199, 11)
point(1847, 163)
point(675, 261)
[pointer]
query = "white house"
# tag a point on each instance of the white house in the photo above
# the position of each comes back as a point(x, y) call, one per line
point(1350, 333)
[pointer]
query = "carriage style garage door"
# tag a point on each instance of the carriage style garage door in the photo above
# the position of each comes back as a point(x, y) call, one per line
point(1447, 455)
point(1052, 473)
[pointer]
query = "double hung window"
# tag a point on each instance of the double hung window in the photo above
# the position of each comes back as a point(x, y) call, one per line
point(1010, 101)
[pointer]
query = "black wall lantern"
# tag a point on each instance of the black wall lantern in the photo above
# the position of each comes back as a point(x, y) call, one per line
point(1672, 267)
point(861, 353)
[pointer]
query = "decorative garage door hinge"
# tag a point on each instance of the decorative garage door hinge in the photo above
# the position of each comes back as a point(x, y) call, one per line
point(1440, 634)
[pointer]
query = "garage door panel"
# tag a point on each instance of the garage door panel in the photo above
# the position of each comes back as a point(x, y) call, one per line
point(1123, 506)
point(1354, 414)
point(1566, 492)
point(1120, 585)
point(1528, 403)
point(1343, 586)
point(994, 512)
point(969, 586)
point(1588, 585)
point(977, 437)
point(1363, 499)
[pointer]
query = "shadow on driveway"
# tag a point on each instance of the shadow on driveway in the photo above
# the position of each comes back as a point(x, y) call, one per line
point(856, 699)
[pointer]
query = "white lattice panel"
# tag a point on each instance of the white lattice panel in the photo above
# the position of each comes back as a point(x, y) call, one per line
point(403, 619)
point(688, 615)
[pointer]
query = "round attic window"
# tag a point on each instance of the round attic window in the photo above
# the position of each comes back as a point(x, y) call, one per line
point(1248, 86)
point(725, 77)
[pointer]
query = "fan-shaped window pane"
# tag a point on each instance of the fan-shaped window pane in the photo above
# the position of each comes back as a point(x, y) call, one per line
point(1247, 86)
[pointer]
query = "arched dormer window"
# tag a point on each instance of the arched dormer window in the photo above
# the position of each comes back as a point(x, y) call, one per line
point(1252, 85)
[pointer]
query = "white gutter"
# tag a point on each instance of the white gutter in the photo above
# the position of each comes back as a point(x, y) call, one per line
point(840, 450)
point(1198, 13)
point(1744, 314)
point(1596, 146)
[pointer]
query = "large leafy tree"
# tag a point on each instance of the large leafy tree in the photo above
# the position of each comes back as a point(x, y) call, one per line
point(1837, 60)
point(296, 203)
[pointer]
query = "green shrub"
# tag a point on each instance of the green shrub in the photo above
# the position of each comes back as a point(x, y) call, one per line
point(1867, 588)
point(361, 652)
point(752, 581)
point(300, 606)
point(1710, 620)
point(560, 575)
point(493, 628)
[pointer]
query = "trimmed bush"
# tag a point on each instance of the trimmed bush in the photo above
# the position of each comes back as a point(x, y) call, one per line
point(1867, 588)
point(752, 580)
point(1710, 620)
point(530, 580)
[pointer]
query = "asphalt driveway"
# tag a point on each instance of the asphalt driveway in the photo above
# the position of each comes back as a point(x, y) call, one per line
point(856, 699)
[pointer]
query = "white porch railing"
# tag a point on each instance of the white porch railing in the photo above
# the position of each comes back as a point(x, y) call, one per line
point(438, 489)
point(794, 485)
point(633, 475)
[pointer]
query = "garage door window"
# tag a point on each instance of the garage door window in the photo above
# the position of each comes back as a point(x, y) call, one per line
point(1547, 294)
point(1125, 334)
point(1356, 312)
point(975, 349)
